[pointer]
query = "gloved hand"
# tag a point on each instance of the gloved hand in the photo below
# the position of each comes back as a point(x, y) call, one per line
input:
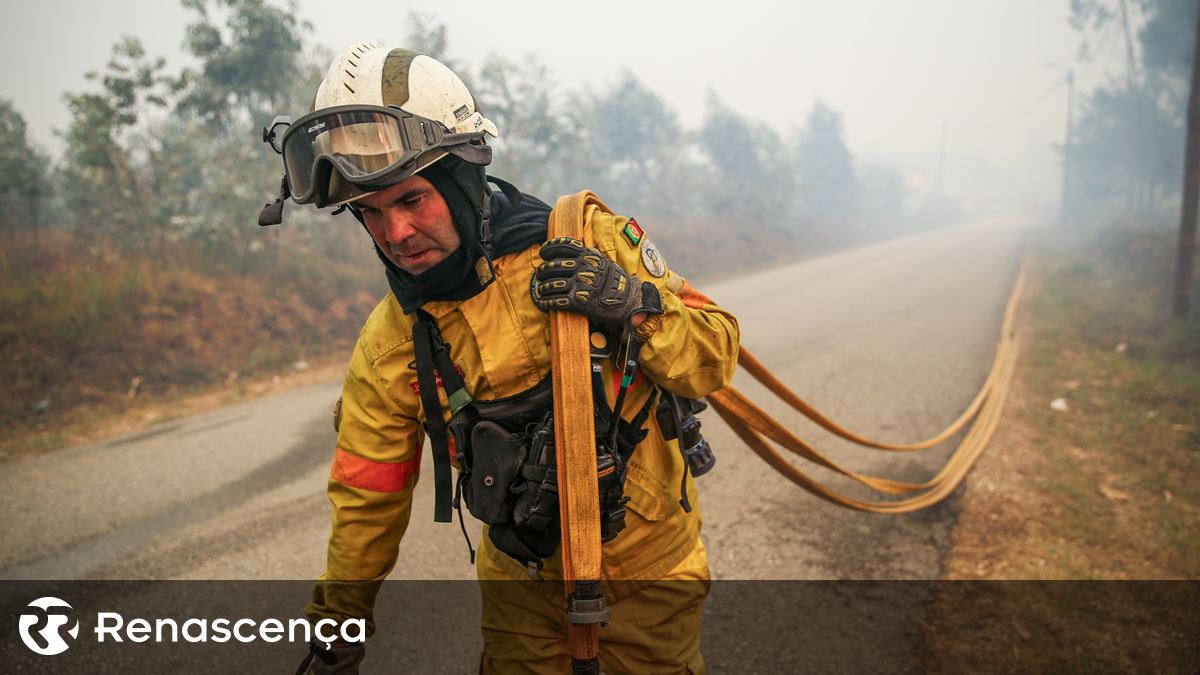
point(341, 659)
point(577, 278)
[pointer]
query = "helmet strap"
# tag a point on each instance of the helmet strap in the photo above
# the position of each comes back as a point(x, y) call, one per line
point(472, 153)
point(485, 217)
point(485, 221)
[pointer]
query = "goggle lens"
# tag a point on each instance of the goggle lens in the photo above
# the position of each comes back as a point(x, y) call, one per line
point(358, 142)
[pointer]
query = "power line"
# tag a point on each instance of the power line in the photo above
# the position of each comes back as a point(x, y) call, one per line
point(1023, 110)
point(1082, 65)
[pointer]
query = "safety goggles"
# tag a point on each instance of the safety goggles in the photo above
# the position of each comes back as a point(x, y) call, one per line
point(371, 147)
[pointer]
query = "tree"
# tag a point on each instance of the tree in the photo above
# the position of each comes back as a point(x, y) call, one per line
point(1166, 38)
point(1126, 154)
point(103, 188)
point(750, 174)
point(252, 66)
point(23, 173)
point(428, 36)
point(537, 144)
point(249, 66)
point(828, 189)
point(1164, 32)
point(639, 147)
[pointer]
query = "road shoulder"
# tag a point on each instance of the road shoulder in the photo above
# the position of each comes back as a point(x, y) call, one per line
point(91, 423)
point(1091, 476)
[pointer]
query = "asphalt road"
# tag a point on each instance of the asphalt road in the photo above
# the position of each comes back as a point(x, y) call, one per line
point(892, 340)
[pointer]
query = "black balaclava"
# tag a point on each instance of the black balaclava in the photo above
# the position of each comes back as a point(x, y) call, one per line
point(456, 277)
point(468, 270)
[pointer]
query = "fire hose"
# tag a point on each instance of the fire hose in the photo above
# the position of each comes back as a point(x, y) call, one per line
point(755, 427)
point(575, 439)
point(576, 456)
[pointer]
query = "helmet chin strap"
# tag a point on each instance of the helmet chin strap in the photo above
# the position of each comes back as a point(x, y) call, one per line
point(485, 222)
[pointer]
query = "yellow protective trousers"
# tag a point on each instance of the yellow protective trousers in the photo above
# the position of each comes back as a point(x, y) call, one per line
point(654, 630)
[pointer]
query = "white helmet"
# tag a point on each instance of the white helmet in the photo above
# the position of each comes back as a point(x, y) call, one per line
point(367, 74)
point(380, 116)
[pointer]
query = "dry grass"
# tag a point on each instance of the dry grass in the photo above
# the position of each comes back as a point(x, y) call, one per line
point(98, 339)
point(1105, 490)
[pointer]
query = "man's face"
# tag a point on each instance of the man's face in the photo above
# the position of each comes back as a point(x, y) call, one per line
point(411, 224)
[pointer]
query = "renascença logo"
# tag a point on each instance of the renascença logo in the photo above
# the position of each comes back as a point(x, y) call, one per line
point(43, 622)
point(42, 626)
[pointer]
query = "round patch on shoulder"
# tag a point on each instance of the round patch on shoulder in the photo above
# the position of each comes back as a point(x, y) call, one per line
point(652, 260)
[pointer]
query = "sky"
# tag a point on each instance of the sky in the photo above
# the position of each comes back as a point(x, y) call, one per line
point(967, 92)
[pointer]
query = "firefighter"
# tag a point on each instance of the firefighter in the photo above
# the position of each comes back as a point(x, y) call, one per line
point(396, 138)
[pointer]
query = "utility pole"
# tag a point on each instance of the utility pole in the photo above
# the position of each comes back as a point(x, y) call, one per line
point(1191, 188)
point(1134, 189)
point(1063, 202)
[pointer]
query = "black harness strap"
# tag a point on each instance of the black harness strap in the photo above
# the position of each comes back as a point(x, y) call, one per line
point(433, 361)
point(458, 507)
point(606, 419)
point(434, 424)
point(639, 420)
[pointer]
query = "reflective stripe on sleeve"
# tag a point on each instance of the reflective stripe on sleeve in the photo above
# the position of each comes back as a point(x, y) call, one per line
point(359, 472)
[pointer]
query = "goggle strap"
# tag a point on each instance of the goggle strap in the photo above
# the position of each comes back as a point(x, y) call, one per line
point(473, 153)
point(272, 214)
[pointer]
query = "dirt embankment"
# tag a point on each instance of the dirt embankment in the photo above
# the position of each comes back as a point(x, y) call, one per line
point(96, 340)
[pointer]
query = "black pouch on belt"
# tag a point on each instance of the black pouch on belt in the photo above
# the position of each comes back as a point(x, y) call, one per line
point(537, 507)
point(495, 472)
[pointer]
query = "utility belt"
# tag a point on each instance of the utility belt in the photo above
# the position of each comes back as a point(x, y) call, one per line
point(505, 452)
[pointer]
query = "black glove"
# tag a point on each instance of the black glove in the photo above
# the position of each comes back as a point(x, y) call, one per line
point(576, 278)
point(340, 659)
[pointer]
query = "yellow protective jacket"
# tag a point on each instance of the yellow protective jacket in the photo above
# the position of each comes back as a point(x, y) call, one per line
point(501, 342)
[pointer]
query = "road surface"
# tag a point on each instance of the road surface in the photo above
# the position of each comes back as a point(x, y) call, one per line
point(892, 340)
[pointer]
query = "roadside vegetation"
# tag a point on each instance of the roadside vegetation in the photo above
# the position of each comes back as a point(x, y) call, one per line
point(101, 332)
point(1093, 475)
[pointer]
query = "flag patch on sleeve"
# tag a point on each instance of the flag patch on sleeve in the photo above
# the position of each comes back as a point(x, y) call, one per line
point(633, 232)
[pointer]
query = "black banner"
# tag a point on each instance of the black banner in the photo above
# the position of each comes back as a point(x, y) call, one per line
point(748, 626)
